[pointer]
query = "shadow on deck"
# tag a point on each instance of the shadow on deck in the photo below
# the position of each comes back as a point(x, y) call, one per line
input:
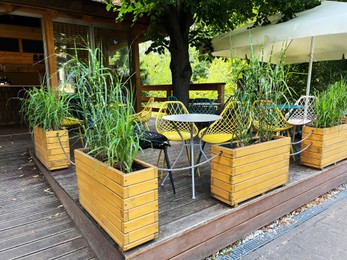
point(33, 223)
point(194, 229)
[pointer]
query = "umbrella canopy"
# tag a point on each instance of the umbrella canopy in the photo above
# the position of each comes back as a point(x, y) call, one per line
point(316, 34)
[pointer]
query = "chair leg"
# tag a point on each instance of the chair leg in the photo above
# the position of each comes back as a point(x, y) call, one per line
point(159, 156)
point(187, 151)
point(145, 126)
point(291, 146)
point(170, 173)
point(199, 157)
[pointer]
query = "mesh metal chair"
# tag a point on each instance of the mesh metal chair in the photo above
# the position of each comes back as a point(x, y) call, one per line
point(172, 98)
point(267, 117)
point(145, 114)
point(169, 129)
point(227, 128)
point(303, 113)
point(224, 130)
point(201, 106)
point(179, 131)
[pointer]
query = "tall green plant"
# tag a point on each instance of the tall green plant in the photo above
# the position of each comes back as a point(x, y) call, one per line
point(261, 80)
point(44, 108)
point(331, 105)
point(106, 104)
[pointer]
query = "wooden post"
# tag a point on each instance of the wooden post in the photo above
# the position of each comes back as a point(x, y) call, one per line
point(135, 39)
point(51, 66)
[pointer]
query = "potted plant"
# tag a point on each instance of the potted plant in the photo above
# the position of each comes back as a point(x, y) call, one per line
point(248, 165)
point(118, 191)
point(327, 138)
point(43, 110)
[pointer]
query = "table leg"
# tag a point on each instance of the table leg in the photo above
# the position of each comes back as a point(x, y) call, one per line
point(192, 158)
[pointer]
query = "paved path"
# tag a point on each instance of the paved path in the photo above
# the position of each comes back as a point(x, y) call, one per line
point(33, 223)
point(322, 237)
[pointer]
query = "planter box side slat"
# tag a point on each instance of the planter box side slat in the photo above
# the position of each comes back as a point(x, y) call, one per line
point(223, 176)
point(102, 179)
point(249, 175)
point(260, 189)
point(128, 213)
point(262, 163)
point(52, 156)
point(327, 152)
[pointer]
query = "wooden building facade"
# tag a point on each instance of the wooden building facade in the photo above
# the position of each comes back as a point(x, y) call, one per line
point(35, 35)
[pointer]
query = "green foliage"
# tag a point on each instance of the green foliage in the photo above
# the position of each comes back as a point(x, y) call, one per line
point(209, 17)
point(44, 108)
point(106, 104)
point(331, 105)
point(324, 73)
point(176, 25)
point(155, 70)
point(261, 81)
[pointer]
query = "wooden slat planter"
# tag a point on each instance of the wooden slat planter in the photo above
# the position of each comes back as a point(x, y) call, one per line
point(242, 173)
point(328, 146)
point(124, 205)
point(49, 150)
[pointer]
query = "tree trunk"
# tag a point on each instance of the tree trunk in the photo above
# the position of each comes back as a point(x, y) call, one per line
point(178, 20)
point(181, 72)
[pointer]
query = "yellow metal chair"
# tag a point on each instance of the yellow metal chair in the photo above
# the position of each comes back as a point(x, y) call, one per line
point(267, 117)
point(226, 129)
point(71, 122)
point(145, 114)
point(178, 131)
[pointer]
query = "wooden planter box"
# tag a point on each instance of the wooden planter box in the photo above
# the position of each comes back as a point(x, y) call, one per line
point(242, 173)
point(344, 120)
point(328, 146)
point(124, 205)
point(49, 150)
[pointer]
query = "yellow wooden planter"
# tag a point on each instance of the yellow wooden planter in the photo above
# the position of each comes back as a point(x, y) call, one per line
point(124, 205)
point(328, 146)
point(344, 120)
point(242, 173)
point(49, 150)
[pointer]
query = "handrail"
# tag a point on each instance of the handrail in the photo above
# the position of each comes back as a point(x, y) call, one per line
point(167, 88)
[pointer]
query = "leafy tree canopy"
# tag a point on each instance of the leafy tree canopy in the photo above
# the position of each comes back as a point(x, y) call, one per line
point(178, 24)
point(204, 19)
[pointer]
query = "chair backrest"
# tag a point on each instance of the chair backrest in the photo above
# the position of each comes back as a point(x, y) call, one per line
point(146, 113)
point(305, 109)
point(172, 98)
point(201, 106)
point(172, 108)
point(234, 118)
point(268, 117)
point(221, 108)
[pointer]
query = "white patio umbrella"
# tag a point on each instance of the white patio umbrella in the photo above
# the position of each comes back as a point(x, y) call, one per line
point(316, 34)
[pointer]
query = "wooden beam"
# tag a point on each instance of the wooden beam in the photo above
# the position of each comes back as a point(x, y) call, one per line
point(135, 66)
point(50, 50)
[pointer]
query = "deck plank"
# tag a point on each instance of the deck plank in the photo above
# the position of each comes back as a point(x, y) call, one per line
point(192, 229)
point(33, 223)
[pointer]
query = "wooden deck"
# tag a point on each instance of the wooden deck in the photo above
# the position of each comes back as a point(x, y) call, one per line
point(194, 229)
point(33, 223)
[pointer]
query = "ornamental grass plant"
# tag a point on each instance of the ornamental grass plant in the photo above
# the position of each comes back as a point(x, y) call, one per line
point(45, 108)
point(331, 105)
point(106, 105)
point(261, 81)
